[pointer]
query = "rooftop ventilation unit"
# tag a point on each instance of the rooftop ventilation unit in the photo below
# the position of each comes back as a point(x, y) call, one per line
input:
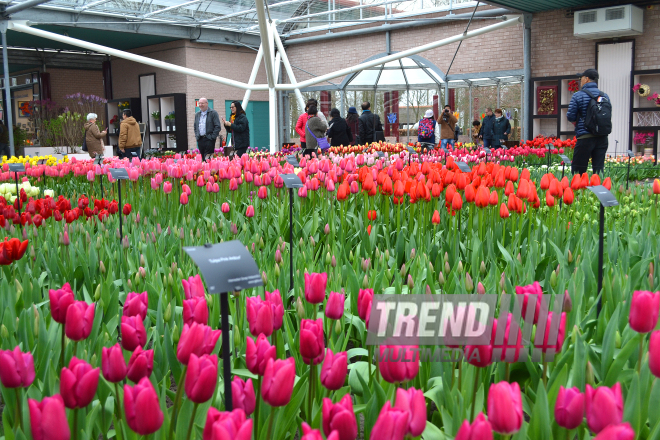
point(616, 21)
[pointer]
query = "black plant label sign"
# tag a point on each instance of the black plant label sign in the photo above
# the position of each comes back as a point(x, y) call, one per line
point(119, 173)
point(226, 266)
point(293, 161)
point(604, 195)
point(291, 180)
point(463, 167)
point(17, 167)
point(565, 159)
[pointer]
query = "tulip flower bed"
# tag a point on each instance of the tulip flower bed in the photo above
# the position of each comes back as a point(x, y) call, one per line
point(111, 336)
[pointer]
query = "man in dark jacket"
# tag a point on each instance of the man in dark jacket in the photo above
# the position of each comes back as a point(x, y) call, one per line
point(366, 124)
point(486, 133)
point(4, 140)
point(588, 146)
point(207, 128)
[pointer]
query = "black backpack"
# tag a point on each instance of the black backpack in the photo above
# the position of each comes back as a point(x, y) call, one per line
point(598, 120)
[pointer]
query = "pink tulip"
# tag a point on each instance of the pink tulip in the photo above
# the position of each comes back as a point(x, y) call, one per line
point(263, 192)
point(196, 339)
point(617, 432)
point(78, 383)
point(259, 316)
point(275, 300)
point(315, 285)
point(533, 291)
point(233, 184)
point(249, 212)
point(200, 181)
point(302, 192)
point(334, 308)
point(334, 370)
point(167, 187)
point(201, 377)
point(133, 333)
point(392, 424)
point(183, 199)
point(195, 310)
point(340, 417)
point(505, 407)
point(185, 189)
point(312, 344)
point(365, 298)
point(644, 309)
point(142, 408)
point(113, 365)
point(48, 419)
point(314, 434)
point(654, 353)
point(277, 385)
point(60, 300)
point(242, 395)
point(569, 407)
point(90, 175)
point(225, 208)
point(412, 401)
point(258, 354)
point(16, 368)
point(136, 304)
point(479, 430)
point(604, 407)
point(401, 364)
point(140, 365)
point(227, 425)
point(193, 287)
point(79, 320)
point(154, 184)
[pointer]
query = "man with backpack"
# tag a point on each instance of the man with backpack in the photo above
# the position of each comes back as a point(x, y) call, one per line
point(590, 110)
point(426, 129)
point(448, 123)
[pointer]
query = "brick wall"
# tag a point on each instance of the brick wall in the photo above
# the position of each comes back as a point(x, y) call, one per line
point(68, 81)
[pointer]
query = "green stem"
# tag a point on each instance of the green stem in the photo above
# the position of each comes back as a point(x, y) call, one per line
point(474, 393)
point(75, 424)
point(310, 396)
point(19, 415)
point(641, 353)
point(62, 350)
point(270, 424)
point(370, 351)
point(506, 372)
point(256, 409)
point(545, 370)
point(121, 426)
point(192, 422)
point(177, 399)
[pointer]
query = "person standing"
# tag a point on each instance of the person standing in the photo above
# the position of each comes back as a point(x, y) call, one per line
point(501, 129)
point(130, 139)
point(239, 128)
point(447, 122)
point(589, 145)
point(93, 137)
point(476, 128)
point(316, 129)
point(426, 129)
point(339, 132)
point(4, 140)
point(300, 127)
point(486, 132)
point(207, 128)
point(368, 124)
point(353, 125)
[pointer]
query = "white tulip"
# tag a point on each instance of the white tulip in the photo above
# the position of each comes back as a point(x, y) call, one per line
point(49, 192)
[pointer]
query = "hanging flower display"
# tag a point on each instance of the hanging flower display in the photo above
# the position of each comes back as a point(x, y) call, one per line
point(573, 86)
point(642, 90)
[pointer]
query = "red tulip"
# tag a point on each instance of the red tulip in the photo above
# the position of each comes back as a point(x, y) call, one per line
point(142, 408)
point(314, 434)
point(78, 383)
point(140, 365)
point(201, 377)
point(436, 217)
point(595, 180)
point(133, 333)
point(227, 425)
point(479, 430)
point(16, 368)
point(249, 212)
point(607, 183)
point(334, 308)
point(654, 353)
point(113, 365)
point(12, 250)
point(392, 424)
point(340, 417)
point(258, 354)
point(315, 285)
point(457, 202)
point(79, 320)
point(136, 304)
point(568, 196)
point(60, 300)
point(196, 339)
point(275, 300)
point(259, 316)
point(493, 199)
point(504, 212)
point(127, 209)
point(617, 432)
point(48, 419)
point(644, 309)
point(242, 395)
point(412, 401)
point(312, 344)
point(401, 364)
point(604, 407)
point(195, 310)
point(334, 370)
point(569, 407)
point(277, 384)
point(505, 407)
point(193, 287)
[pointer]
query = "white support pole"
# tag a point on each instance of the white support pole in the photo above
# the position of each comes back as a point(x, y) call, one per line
point(272, 119)
point(278, 65)
point(272, 93)
point(7, 99)
point(264, 29)
point(287, 66)
point(509, 21)
point(21, 27)
point(253, 76)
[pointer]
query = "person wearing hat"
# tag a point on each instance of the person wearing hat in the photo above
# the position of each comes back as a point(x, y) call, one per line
point(352, 122)
point(426, 129)
point(448, 123)
point(588, 145)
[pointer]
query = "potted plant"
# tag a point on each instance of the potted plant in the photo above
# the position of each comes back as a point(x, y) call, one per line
point(156, 116)
point(644, 142)
point(573, 86)
point(115, 123)
point(169, 121)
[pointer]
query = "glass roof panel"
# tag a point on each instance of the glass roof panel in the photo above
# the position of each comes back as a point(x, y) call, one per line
point(391, 78)
point(365, 78)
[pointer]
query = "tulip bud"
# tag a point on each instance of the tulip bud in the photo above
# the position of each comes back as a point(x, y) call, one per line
point(36, 322)
point(590, 375)
point(98, 243)
point(137, 278)
point(412, 254)
point(129, 284)
point(33, 254)
point(301, 242)
point(519, 258)
point(441, 279)
point(350, 256)
point(333, 263)
point(460, 266)
point(574, 334)
point(365, 282)
point(338, 327)
point(617, 339)
point(175, 334)
point(237, 337)
point(170, 280)
point(277, 270)
point(4, 332)
point(19, 288)
point(143, 261)
point(300, 309)
point(106, 337)
point(446, 257)
point(411, 284)
point(469, 284)
point(481, 290)
point(167, 316)
point(261, 243)
point(482, 268)
point(328, 259)
point(428, 290)
point(570, 256)
point(387, 254)
point(97, 293)
point(264, 278)
point(326, 229)
point(180, 274)
point(403, 270)
point(553, 279)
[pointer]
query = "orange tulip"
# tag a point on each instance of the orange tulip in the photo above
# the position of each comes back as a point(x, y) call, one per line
point(607, 183)
point(470, 193)
point(399, 189)
point(457, 202)
point(656, 186)
point(584, 181)
point(436, 218)
point(525, 174)
point(523, 189)
point(509, 188)
point(387, 186)
point(483, 195)
point(449, 194)
point(513, 176)
point(568, 196)
point(555, 188)
point(595, 180)
point(436, 190)
point(549, 200)
point(545, 182)
point(494, 198)
point(575, 182)
point(500, 180)
point(504, 212)
point(511, 203)
point(461, 181)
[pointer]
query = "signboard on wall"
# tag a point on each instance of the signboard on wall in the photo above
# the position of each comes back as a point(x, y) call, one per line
point(197, 104)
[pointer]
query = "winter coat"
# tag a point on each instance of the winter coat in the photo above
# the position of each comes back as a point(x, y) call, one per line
point(240, 133)
point(318, 128)
point(300, 126)
point(577, 108)
point(366, 126)
point(129, 134)
point(501, 131)
point(93, 138)
point(486, 131)
point(339, 132)
point(354, 126)
point(447, 127)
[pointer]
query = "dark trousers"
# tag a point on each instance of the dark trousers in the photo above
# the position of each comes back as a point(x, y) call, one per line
point(206, 147)
point(594, 148)
point(128, 152)
point(4, 150)
point(488, 143)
